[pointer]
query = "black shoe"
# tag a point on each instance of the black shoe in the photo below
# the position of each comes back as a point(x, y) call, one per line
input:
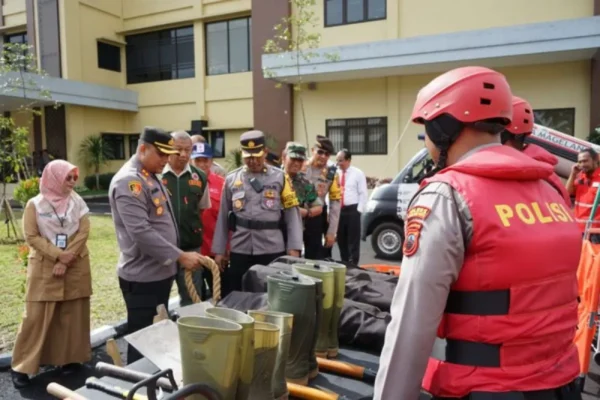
point(19, 379)
point(70, 368)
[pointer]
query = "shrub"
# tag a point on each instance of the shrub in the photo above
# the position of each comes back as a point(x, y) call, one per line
point(105, 179)
point(26, 190)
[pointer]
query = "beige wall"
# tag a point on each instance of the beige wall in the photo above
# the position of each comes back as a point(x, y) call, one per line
point(546, 86)
point(409, 18)
point(13, 12)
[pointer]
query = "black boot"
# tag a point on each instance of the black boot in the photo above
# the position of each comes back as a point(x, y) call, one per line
point(70, 368)
point(19, 379)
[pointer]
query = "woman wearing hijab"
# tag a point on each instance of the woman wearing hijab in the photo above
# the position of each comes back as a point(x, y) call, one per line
point(55, 329)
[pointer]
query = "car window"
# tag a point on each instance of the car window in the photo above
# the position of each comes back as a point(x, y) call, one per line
point(419, 170)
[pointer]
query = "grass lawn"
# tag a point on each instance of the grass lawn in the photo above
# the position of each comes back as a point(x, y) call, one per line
point(106, 302)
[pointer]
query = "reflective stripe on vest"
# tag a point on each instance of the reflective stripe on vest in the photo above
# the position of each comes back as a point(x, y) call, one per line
point(511, 315)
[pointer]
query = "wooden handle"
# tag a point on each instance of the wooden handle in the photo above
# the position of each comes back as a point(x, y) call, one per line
point(212, 266)
point(303, 392)
point(61, 392)
point(343, 368)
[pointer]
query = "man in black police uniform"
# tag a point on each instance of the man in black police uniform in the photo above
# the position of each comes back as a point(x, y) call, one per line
point(146, 232)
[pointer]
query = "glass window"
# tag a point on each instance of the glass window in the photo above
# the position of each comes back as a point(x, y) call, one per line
point(560, 119)
point(116, 143)
point(160, 55)
point(359, 135)
point(109, 57)
point(228, 48)
point(343, 12)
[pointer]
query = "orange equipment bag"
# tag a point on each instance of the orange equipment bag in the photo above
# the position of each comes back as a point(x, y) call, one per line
point(384, 269)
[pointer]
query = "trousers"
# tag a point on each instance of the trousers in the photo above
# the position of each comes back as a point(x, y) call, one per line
point(239, 264)
point(141, 300)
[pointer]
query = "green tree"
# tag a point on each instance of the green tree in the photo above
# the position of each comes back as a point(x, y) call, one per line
point(293, 36)
point(19, 77)
point(94, 153)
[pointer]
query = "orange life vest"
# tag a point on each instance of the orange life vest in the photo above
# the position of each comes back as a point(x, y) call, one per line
point(585, 194)
point(540, 154)
point(511, 316)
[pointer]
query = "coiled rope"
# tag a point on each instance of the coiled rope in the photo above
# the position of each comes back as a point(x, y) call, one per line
point(209, 264)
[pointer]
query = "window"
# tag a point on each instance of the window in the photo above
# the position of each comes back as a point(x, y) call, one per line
point(109, 57)
point(16, 38)
point(359, 135)
point(116, 143)
point(228, 47)
point(561, 119)
point(217, 142)
point(133, 144)
point(161, 55)
point(19, 39)
point(344, 12)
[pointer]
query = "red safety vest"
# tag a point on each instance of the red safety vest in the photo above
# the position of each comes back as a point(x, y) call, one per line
point(540, 154)
point(511, 316)
point(209, 216)
point(585, 194)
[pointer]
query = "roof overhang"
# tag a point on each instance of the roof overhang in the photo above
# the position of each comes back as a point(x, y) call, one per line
point(539, 43)
point(20, 89)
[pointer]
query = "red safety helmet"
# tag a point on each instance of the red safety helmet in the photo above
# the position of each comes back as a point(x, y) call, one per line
point(468, 94)
point(522, 122)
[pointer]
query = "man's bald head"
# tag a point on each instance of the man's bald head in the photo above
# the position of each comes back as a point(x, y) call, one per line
point(198, 139)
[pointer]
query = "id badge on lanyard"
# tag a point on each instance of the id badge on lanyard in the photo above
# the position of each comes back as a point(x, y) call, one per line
point(61, 238)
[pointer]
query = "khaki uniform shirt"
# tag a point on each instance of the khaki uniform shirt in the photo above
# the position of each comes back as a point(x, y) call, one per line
point(240, 198)
point(326, 181)
point(146, 229)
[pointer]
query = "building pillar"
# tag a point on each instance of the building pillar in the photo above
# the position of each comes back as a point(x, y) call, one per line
point(273, 107)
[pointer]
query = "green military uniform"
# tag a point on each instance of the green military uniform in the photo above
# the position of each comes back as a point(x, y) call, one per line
point(306, 192)
point(189, 195)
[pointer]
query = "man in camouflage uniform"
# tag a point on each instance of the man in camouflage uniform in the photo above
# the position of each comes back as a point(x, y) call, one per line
point(325, 179)
point(310, 205)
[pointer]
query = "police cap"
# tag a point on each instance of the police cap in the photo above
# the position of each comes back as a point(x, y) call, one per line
point(324, 144)
point(272, 157)
point(295, 150)
point(159, 139)
point(253, 144)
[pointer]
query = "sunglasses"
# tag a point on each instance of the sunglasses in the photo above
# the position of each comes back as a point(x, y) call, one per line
point(72, 178)
point(323, 153)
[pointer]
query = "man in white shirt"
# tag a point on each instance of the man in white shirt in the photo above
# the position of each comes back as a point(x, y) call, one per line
point(354, 199)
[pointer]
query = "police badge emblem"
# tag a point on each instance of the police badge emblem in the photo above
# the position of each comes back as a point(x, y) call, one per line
point(160, 210)
point(195, 176)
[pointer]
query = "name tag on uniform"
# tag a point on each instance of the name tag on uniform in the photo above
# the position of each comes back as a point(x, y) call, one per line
point(238, 196)
point(61, 241)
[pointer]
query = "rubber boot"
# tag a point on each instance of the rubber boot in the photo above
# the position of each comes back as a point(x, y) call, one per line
point(285, 322)
point(210, 354)
point(247, 346)
point(295, 294)
point(339, 274)
point(325, 274)
point(313, 366)
point(266, 343)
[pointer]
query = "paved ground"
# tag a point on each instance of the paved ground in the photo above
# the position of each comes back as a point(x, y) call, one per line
point(38, 390)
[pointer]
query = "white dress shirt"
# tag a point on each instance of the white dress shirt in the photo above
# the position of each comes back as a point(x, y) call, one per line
point(355, 187)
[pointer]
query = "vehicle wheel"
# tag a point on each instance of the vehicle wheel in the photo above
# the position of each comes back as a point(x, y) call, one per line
point(387, 240)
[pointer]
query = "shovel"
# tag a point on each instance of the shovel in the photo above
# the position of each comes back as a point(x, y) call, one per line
point(159, 343)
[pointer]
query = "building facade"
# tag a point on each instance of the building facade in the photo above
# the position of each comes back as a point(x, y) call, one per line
point(118, 65)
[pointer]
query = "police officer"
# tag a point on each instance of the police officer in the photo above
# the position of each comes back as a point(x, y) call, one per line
point(311, 205)
point(515, 133)
point(273, 160)
point(189, 195)
point(323, 174)
point(257, 203)
point(146, 232)
point(490, 261)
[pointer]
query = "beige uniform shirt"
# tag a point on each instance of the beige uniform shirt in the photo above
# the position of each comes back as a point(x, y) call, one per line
point(240, 198)
point(423, 286)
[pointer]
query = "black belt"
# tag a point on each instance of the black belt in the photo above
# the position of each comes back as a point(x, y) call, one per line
point(257, 225)
point(493, 302)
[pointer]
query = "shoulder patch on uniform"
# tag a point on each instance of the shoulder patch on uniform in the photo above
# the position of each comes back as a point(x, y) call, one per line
point(411, 237)
point(418, 212)
point(135, 187)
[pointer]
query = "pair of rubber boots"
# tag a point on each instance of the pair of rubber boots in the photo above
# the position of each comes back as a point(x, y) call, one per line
point(239, 355)
point(310, 292)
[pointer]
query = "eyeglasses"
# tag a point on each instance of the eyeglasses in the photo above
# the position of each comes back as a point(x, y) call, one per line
point(72, 178)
